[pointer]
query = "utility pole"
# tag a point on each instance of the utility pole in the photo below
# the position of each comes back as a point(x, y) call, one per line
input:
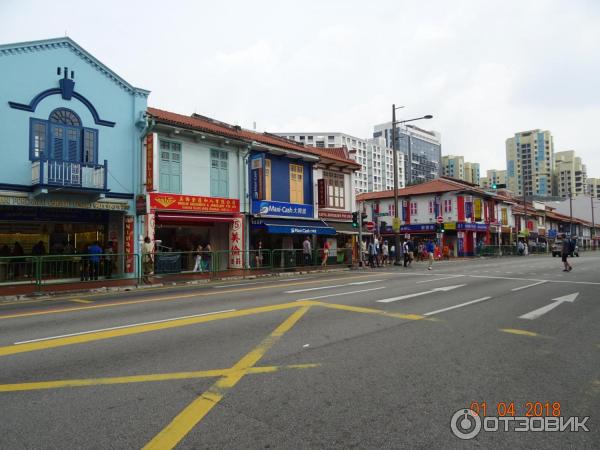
point(570, 214)
point(360, 255)
point(525, 236)
point(396, 209)
point(593, 232)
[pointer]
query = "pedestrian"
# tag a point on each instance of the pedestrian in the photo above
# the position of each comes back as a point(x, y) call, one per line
point(520, 248)
point(259, 254)
point(392, 252)
point(109, 259)
point(430, 251)
point(525, 249)
point(405, 253)
point(207, 257)
point(306, 251)
point(411, 252)
point(198, 259)
point(94, 251)
point(446, 252)
point(325, 254)
point(147, 259)
point(363, 253)
point(371, 251)
point(565, 253)
point(420, 249)
point(386, 252)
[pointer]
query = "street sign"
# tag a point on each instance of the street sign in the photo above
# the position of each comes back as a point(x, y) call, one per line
point(396, 224)
point(439, 235)
point(370, 226)
point(440, 219)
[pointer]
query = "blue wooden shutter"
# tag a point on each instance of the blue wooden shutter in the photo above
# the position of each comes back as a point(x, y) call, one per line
point(57, 143)
point(73, 136)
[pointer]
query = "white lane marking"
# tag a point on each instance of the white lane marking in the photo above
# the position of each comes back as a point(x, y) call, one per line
point(340, 294)
point(418, 294)
point(122, 326)
point(259, 282)
point(357, 283)
point(528, 286)
point(437, 311)
point(440, 279)
point(544, 309)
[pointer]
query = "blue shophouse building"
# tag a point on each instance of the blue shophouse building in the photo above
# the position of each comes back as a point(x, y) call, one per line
point(282, 196)
point(71, 149)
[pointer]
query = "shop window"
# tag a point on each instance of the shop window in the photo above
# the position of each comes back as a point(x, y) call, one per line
point(267, 179)
point(334, 183)
point(62, 137)
point(219, 173)
point(170, 167)
point(296, 183)
point(431, 206)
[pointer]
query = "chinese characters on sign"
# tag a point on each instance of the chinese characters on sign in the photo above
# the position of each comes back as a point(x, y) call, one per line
point(236, 243)
point(129, 244)
point(193, 203)
point(150, 162)
point(335, 215)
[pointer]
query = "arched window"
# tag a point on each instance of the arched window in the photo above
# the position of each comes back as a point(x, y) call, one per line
point(65, 116)
point(63, 138)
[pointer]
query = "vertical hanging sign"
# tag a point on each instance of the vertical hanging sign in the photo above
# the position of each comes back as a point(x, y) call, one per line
point(129, 244)
point(150, 162)
point(256, 177)
point(322, 195)
point(236, 242)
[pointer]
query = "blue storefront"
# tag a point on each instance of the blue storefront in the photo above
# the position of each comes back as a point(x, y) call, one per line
point(282, 199)
point(70, 150)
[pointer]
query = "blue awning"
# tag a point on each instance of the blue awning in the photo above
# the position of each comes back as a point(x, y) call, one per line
point(284, 226)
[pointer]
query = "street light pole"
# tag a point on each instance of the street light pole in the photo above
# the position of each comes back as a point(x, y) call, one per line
point(396, 205)
point(593, 231)
point(396, 209)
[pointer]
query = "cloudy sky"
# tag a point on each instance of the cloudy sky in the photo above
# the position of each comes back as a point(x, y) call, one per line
point(484, 69)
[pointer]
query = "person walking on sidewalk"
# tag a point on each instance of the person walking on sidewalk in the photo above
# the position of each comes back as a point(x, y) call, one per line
point(147, 259)
point(325, 254)
point(198, 261)
point(372, 253)
point(430, 251)
point(565, 252)
point(306, 251)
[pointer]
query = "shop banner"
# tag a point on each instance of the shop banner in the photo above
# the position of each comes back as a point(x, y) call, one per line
point(129, 244)
point(468, 210)
point(236, 243)
point(193, 203)
point(150, 162)
point(256, 177)
point(335, 215)
point(322, 195)
point(478, 206)
point(269, 209)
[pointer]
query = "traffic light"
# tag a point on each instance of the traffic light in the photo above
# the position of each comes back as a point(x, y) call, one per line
point(355, 219)
point(363, 217)
point(494, 186)
point(439, 228)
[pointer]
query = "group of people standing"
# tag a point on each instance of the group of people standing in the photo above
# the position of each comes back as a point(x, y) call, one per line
point(379, 253)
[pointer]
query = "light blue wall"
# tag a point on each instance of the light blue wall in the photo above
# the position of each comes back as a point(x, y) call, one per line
point(28, 70)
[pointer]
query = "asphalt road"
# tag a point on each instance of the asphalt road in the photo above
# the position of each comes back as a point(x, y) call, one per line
point(356, 359)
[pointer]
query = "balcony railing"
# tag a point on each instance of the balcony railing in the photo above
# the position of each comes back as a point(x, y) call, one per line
point(70, 174)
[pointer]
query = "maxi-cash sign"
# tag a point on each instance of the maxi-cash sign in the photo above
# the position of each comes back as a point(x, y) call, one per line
point(282, 209)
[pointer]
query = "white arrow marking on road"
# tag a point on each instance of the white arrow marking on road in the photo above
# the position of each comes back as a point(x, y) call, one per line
point(544, 309)
point(457, 306)
point(418, 294)
point(528, 286)
point(356, 283)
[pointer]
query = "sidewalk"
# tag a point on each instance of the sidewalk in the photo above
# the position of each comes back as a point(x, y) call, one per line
point(15, 292)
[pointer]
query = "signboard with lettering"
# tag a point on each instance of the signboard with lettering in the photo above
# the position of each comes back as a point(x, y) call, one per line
point(322, 194)
point(282, 209)
point(63, 203)
point(256, 177)
point(236, 243)
point(335, 215)
point(129, 244)
point(193, 203)
point(150, 162)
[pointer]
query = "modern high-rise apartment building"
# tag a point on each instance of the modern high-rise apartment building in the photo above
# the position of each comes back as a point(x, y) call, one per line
point(456, 167)
point(422, 150)
point(376, 160)
point(453, 166)
point(493, 177)
point(530, 163)
point(570, 174)
point(472, 174)
point(593, 187)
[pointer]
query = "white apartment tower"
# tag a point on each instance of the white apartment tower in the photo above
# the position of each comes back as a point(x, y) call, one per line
point(530, 163)
point(376, 160)
point(570, 174)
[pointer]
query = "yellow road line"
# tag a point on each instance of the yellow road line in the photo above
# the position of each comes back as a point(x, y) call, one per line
point(519, 332)
point(33, 386)
point(80, 300)
point(175, 297)
point(360, 309)
point(187, 419)
point(80, 339)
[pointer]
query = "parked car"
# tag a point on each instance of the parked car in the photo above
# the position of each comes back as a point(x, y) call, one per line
point(557, 249)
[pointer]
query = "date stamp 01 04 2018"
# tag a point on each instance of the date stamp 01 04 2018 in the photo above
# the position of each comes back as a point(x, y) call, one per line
point(528, 416)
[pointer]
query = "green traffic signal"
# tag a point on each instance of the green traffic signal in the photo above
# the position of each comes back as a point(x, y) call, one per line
point(355, 219)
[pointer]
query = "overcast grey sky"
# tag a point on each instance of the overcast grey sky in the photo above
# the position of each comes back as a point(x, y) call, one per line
point(484, 69)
